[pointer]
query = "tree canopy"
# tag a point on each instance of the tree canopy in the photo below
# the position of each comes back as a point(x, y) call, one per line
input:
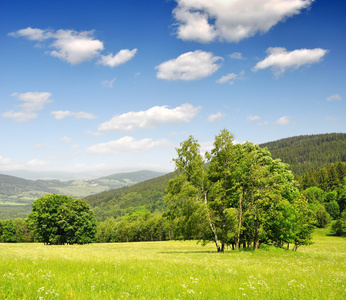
point(237, 195)
point(58, 219)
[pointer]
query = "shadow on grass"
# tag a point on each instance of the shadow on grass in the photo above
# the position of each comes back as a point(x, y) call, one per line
point(188, 252)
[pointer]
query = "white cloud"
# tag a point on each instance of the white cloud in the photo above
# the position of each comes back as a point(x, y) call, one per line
point(279, 59)
point(66, 139)
point(108, 83)
point(231, 20)
point(7, 165)
point(151, 118)
point(189, 66)
point(252, 118)
point(285, 120)
point(331, 118)
point(335, 97)
point(117, 59)
point(62, 114)
point(33, 34)
point(126, 145)
point(229, 78)
point(33, 101)
point(75, 47)
point(215, 117)
point(236, 55)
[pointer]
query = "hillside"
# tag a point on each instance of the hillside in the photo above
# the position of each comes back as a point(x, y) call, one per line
point(307, 152)
point(17, 194)
point(118, 194)
point(116, 203)
point(301, 152)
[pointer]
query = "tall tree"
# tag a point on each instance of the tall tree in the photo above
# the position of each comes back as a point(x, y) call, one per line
point(239, 192)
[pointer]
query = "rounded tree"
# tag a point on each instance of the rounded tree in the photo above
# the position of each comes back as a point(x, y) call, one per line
point(58, 219)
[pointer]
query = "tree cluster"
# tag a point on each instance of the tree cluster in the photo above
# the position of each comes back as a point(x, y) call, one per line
point(58, 219)
point(15, 231)
point(238, 195)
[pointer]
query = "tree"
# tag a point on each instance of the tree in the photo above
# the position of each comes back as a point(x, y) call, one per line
point(238, 196)
point(322, 217)
point(8, 232)
point(333, 209)
point(58, 219)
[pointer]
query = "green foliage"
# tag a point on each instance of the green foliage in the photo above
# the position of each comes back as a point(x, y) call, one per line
point(119, 202)
point(333, 209)
point(328, 177)
point(322, 217)
point(58, 219)
point(242, 196)
point(308, 152)
point(8, 232)
point(314, 195)
point(337, 228)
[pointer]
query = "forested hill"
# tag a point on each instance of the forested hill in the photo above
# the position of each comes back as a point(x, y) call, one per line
point(301, 152)
point(144, 195)
point(307, 152)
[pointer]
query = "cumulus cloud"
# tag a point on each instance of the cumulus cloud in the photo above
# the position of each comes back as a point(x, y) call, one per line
point(151, 118)
point(215, 117)
point(285, 120)
point(62, 114)
point(189, 66)
point(75, 47)
point(33, 101)
point(206, 20)
point(252, 118)
point(126, 145)
point(115, 60)
point(334, 97)
point(279, 59)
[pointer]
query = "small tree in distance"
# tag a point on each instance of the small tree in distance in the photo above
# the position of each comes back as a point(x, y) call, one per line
point(58, 219)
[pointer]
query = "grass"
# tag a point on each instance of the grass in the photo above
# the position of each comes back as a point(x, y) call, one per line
point(172, 270)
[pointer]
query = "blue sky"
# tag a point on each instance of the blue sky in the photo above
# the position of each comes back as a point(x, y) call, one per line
point(103, 87)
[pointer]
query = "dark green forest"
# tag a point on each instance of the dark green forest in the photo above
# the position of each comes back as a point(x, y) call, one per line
point(309, 152)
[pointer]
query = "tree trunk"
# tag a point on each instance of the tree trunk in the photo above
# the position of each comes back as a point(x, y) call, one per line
point(212, 227)
point(240, 219)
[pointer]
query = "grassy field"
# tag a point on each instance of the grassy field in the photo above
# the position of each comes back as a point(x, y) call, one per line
point(173, 270)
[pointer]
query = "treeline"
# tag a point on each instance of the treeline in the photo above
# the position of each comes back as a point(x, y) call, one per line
point(15, 231)
point(308, 152)
point(327, 178)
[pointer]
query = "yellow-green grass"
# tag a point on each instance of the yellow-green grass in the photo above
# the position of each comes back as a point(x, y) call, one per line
point(172, 270)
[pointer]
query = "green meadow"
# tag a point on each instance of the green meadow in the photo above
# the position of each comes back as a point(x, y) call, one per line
point(173, 270)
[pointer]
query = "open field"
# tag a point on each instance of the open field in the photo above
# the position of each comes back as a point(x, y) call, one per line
point(172, 270)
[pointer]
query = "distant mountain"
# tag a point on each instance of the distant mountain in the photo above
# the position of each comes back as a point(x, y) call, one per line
point(307, 152)
point(20, 193)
